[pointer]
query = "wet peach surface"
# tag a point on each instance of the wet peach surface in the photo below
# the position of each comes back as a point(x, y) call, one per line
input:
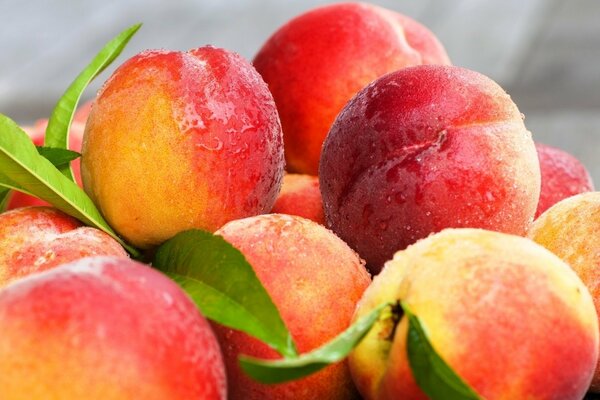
point(181, 140)
point(423, 149)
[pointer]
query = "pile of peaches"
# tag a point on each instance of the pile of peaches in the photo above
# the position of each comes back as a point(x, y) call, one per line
point(352, 165)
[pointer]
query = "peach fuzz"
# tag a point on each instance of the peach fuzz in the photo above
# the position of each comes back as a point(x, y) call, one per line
point(300, 195)
point(511, 318)
point(34, 239)
point(315, 280)
point(563, 176)
point(423, 149)
point(105, 328)
point(571, 230)
point(181, 140)
point(36, 133)
point(317, 61)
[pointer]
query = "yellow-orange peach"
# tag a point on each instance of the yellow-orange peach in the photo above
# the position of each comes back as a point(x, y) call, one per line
point(181, 140)
point(34, 239)
point(315, 280)
point(511, 318)
point(105, 328)
point(300, 196)
point(571, 230)
point(317, 61)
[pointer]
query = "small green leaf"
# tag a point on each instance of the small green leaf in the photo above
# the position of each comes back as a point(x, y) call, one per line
point(287, 369)
point(436, 378)
point(224, 286)
point(23, 168)
point(57, 132)
point(4, 197)
point(58, 157)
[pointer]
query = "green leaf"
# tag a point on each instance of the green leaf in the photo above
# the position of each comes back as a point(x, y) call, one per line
point(224, 286)
point(4, 197)
point(278, 371)
point(436, 378)
point(23, 168)
point(58, 157)
point(57, 132)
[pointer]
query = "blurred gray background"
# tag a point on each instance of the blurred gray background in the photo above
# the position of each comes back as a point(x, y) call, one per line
point(545, 53)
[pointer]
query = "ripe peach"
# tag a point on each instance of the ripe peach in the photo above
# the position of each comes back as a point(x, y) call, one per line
point(571, 230)
point(317, 61)
point(37, 133)
point(181, 140)
point(105, 328)
point(423, 149)
point(300, 195)
point(511, 318)
point(562, 176)
point(34, 239)
point(315, 280)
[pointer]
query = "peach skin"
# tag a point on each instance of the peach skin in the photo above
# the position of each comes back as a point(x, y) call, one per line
point(317, 61)
point(300, 195)
point(563, 176)
point(423, 149)
point(511, 318)
point(105, 328)
point(315, 280)
point(34, 239)
point(182, 140)
point(571, 230)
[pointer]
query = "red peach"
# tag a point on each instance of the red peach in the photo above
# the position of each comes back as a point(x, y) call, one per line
point(34, 239)
point(423, 149)
point(317, 61)
point(37, 133)
point(182, 140)
point(511, 318)
point(105, 328)
point(315, 280)
point(563, 176)
point(300, 195)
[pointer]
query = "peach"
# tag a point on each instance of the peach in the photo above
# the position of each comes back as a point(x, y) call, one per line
point(182, 140)
point(511, 318)
point(34, 239)
point(571, 230)
point(37, 133)
point(300, 195)
point(105, 328)
point(317, 61)
point(563, 176)
point(315, 280)
point(423, 149)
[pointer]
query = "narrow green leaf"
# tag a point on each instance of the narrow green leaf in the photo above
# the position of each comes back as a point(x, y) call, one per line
point(58, 157)
point(23, 168)
point(436, 378)
point(57, 132)
point(224, 286)
point(4, 197)
point(287, 369)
